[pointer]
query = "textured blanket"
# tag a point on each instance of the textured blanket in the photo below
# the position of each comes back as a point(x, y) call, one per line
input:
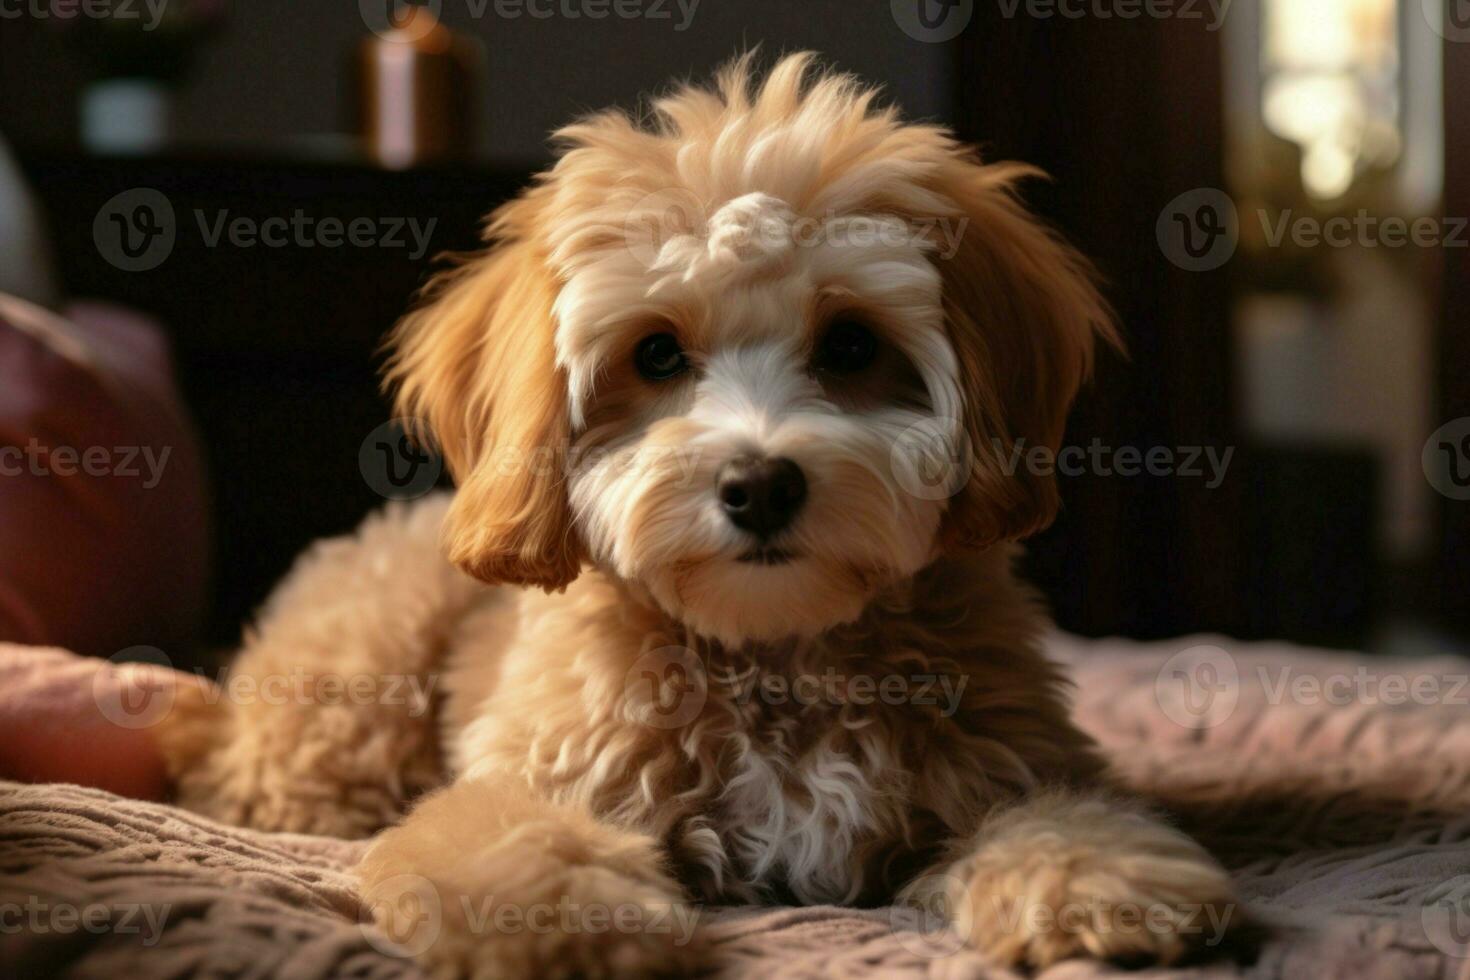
point(1337, 789)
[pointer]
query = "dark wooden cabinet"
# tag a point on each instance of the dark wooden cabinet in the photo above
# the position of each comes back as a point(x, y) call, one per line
point(277, 346)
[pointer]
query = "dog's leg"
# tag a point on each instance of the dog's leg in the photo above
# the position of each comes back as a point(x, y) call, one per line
point(485, 879)
point(1065, 874)
point(325, 722)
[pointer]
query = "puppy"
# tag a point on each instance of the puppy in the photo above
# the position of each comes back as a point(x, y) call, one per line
point(731, 393)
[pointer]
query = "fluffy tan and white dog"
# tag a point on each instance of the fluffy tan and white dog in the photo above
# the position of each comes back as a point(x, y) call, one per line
point(731, 390)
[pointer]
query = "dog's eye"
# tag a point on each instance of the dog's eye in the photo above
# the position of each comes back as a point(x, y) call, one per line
point(660, 357)
point(848, 347)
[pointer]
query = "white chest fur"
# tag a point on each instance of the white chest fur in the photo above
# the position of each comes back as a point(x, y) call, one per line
point(812, 792)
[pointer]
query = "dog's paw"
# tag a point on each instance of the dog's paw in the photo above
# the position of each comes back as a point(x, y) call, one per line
point(1110, 885)
point(539, 916)
point(553, 896)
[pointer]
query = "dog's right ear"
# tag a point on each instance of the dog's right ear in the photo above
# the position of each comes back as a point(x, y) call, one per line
point(1025, 318)
point(475, 365)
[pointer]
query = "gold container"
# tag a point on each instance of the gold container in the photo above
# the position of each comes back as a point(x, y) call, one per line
point(417, 87)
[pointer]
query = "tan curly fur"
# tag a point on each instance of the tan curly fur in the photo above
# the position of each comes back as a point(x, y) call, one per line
point(628, 732)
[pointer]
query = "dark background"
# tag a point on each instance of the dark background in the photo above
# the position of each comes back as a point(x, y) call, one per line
point(277, 348)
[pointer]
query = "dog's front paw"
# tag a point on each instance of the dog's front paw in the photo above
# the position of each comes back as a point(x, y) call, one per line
point(591, 923)
point(547, 899)
point(1088, 880)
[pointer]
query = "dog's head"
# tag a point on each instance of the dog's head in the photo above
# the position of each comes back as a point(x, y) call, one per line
point(762, 357)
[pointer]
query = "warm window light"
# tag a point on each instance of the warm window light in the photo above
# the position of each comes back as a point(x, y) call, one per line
point(1331, 71)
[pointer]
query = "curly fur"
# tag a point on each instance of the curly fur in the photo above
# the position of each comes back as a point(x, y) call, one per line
point(621, 734)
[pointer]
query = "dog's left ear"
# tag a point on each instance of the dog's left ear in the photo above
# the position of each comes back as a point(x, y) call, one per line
point(1024, 315)
point(476, 364)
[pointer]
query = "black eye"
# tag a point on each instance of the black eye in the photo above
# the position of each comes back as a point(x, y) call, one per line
point(849, 346)
point(660, 357)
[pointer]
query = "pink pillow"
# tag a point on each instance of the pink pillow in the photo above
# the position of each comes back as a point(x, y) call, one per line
point(102, 499)
point(70, 719)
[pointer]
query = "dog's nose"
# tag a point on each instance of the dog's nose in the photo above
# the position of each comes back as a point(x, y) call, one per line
point(761, 495)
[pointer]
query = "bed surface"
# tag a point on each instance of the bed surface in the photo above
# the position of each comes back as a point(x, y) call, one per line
point(1336, 788)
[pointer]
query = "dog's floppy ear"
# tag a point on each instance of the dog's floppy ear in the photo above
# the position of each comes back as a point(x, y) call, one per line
point(1023, 313)
point(475, 364)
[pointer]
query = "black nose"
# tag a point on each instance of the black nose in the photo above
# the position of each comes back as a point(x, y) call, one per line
point(761, 495)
